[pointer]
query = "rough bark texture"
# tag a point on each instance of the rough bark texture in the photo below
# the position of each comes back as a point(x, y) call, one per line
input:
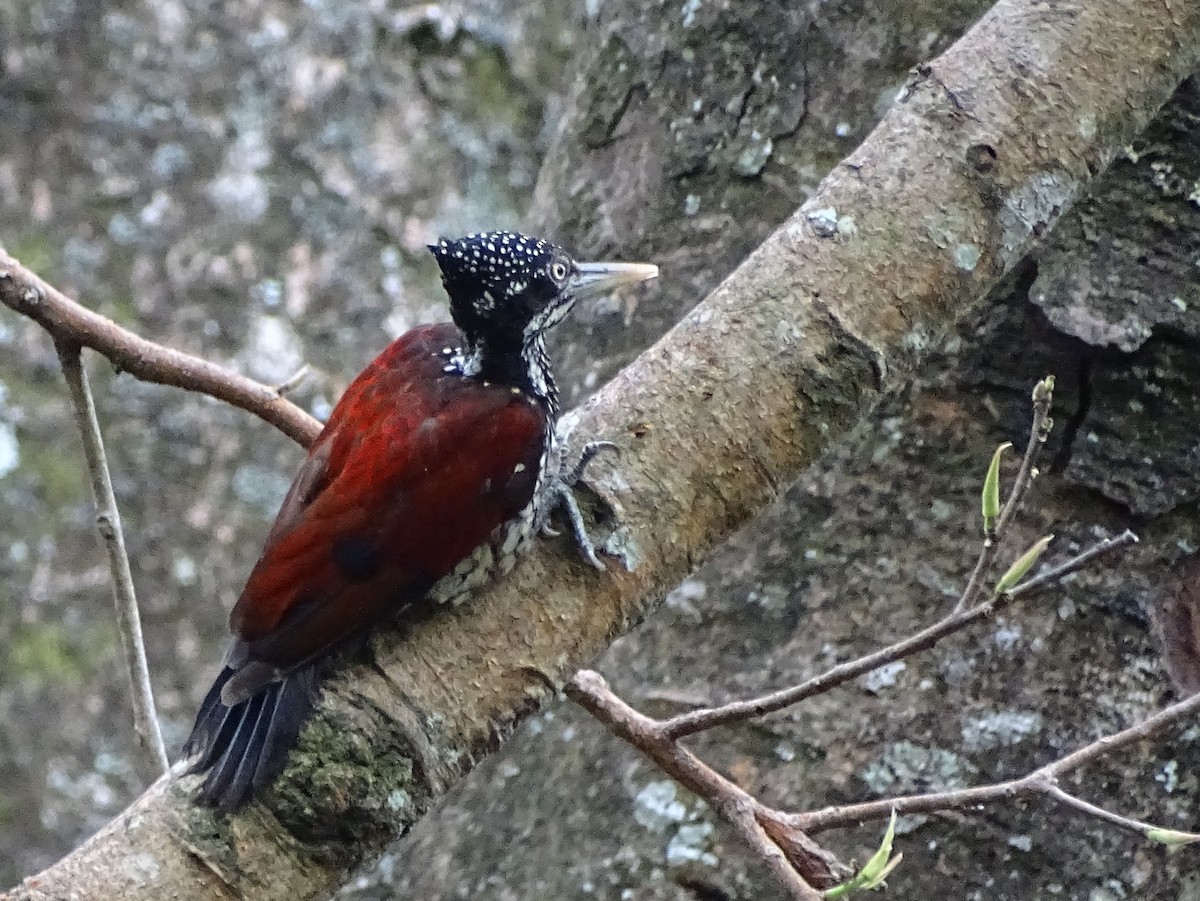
point(985, 149)
point(877, 538)
point(694, 131)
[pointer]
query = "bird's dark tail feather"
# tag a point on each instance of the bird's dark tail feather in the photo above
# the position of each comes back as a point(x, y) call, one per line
point(240, 749)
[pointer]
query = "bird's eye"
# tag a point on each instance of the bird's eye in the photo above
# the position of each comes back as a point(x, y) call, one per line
point(558, 271)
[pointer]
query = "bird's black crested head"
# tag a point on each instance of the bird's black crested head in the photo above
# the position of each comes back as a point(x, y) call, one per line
point(505, 288)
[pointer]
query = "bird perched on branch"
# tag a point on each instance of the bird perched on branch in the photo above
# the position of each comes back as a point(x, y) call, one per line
point(434, 469)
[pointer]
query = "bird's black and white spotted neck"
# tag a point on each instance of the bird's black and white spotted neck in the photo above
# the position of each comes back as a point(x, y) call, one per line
point(506, 290)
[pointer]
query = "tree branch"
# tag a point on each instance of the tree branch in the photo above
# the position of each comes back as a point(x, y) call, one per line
point(1042, 780)
point(737, 711)
point(710, 420)
point(1038, 433)
point(68, 322)
point(108, 523)
point(743, 811)
point(658, 740)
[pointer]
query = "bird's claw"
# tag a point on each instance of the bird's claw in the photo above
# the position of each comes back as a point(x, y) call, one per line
point(564, 489)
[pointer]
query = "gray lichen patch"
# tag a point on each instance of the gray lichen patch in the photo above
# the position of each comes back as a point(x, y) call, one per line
point(967, 256)
point(904, 765)
point(999, 729)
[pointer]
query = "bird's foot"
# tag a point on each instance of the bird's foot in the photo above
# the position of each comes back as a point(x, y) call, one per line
point(563, 495)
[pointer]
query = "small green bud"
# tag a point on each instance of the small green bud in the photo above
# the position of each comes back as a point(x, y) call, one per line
point(880, 858)
point(1171, 838)
point(991, 490)
point(1043, 391)
point(875, 870)
point(1022, 565)
point(883, 874)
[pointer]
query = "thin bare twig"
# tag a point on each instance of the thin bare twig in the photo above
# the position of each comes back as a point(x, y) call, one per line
point(1041, 780)
point(292, 382)
point(784, 840)
point(707, 718)
point(67, 321)
point(1056, 574)
point(108, 522)
point(796, 862)
point(1141, 827)
point(1039, 431)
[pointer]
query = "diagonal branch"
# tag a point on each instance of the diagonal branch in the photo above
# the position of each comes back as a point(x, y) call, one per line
point(1042, 780)
point(866, 298)
point(741, 809)
point(737, 711)
point(784, 840)
point(67, 321)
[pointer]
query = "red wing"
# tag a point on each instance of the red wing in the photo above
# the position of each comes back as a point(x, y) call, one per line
point(412, 472)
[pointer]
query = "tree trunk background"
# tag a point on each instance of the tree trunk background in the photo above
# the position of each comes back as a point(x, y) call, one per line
point(359, 129)
point(877, 540)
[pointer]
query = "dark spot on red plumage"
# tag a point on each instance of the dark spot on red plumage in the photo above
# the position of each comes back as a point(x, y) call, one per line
point(358, 557)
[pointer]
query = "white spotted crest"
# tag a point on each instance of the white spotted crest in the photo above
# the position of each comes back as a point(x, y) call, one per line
point(506, 290)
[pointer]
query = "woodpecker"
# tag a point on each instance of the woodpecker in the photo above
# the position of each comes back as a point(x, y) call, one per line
point(434, 469)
